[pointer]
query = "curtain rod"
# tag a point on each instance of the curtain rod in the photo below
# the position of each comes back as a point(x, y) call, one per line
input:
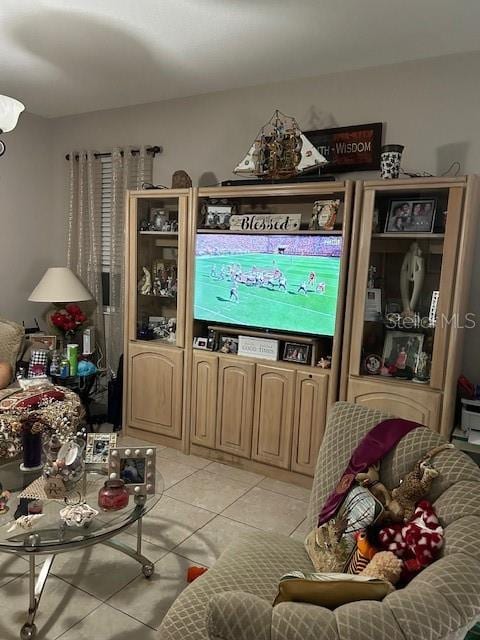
point(153, 150)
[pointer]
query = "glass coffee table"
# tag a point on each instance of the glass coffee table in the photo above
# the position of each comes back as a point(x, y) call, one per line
point(50, 536)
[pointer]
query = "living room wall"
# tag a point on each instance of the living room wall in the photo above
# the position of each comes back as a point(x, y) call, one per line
point(26, 216)
point(430, 106)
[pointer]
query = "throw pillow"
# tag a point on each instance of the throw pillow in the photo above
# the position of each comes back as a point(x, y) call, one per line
point(331, 545)
point(330, 590)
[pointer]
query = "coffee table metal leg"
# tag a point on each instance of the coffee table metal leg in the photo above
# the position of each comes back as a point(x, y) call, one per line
point(147, 566)
point(29, 630)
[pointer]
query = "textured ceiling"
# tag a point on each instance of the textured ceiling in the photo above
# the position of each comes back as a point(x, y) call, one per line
point(70, 56)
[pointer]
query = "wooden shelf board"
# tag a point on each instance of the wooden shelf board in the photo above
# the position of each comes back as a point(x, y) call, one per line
point(410, 236)
point(269, 335)
point(301, 232)
point(397, 381)
point(158, 233)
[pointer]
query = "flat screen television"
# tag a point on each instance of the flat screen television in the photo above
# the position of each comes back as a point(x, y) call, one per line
point(281, 282)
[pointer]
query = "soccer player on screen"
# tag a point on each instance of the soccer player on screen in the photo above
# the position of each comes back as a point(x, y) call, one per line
point(321, 288)
point(213, 271)
point(311, 278)
point(282, 284)
point(303, 288)
point(234, 293)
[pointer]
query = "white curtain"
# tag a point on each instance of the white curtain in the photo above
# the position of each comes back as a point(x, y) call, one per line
point(84, 232)
point(129, 171)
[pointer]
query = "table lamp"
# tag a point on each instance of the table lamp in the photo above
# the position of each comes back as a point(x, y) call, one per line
point(62, 287)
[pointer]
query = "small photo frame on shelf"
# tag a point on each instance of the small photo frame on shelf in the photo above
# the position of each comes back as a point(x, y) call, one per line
point(135, 466)
point(300, 353)
point(411, 216)
point(228, 344)
point(39, 341)
point(98, 447)
point(400, 350)
point(200, 342)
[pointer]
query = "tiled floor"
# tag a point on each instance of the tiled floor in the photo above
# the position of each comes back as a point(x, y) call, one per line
point(100, 594)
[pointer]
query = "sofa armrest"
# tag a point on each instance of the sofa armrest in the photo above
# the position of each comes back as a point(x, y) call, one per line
point(236, 615)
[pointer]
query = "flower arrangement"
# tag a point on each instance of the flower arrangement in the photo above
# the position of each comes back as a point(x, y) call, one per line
point(69, 319)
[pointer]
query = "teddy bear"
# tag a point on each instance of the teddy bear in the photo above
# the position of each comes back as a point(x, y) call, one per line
point(385, 566)
point(416, 542)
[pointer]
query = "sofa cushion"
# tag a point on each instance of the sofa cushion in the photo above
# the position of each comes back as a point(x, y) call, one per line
point(11, 338)
point(254, 564)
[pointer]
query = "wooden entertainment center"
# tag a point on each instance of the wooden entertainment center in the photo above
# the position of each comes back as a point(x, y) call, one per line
point(269, 415)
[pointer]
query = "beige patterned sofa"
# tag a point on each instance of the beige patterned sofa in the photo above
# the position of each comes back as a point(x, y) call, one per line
point(233, 600)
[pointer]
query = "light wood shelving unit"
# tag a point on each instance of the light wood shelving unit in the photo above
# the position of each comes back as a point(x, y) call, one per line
point(448, 255)
point(265, 416)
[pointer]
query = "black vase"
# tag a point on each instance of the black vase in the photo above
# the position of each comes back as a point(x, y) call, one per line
point(32, 449)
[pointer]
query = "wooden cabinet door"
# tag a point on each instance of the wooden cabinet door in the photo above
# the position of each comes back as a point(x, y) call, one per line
point(403, 401)
point(273, 414)
point(235, 406)
point(204, 399)
point(311, 391)
point(155, 389)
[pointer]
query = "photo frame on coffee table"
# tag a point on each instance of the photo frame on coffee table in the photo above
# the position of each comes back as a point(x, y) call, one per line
point(135, 466)
point(98, 447)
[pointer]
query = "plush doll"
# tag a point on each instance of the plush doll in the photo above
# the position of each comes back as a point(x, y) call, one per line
point(416, 484)
point(416, 542)
point(384, 565)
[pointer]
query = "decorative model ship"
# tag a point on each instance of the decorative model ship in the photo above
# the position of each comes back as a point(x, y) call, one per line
point(280, 150)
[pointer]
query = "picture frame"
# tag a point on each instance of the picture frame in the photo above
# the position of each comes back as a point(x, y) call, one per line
point(295, 352)
point(135, 466)
point(39, 341)
point(400, 350)
point(411, 216)
point(228, 344)
point(98, 447)
point(200, 342)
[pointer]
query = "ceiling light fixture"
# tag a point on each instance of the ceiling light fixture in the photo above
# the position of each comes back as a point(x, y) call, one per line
point(10, 110)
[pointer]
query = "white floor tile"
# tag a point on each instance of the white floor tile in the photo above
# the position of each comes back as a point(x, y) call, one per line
point(268, 511)
point(107, 623)
point(206, 544)
point(149, 600)
point(11, 567)
point(170, 522)
point(239, 475)
point(173, 471)
point(178, 456)
point(208, 491)
point(100, 570)
point(286, 489)
point(61, 607)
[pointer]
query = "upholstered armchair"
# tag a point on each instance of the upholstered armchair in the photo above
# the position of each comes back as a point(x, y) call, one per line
point(11, 338)
point(233, 600)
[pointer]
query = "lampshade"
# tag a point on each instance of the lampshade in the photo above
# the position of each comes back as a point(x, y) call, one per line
point(10, 110)
point(60, 284)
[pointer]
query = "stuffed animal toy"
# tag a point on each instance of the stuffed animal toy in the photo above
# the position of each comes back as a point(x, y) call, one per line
point(416, 542)
point(384, 565)
point(371, 481)
point(415, 485)
point(362, 554)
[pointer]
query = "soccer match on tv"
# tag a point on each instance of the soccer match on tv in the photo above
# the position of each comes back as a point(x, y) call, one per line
point(283, 282)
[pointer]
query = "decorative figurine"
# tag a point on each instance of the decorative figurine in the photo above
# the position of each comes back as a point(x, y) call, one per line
point(373, 364)
point(4, 498)
point(280, 150)
point(181, 180)
point(159, 218)
point(24, 522)
point(145, 284)
point(78, 515)
point(422, 368)
point(325, 363)
point(371, 277)
point(412, 270)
